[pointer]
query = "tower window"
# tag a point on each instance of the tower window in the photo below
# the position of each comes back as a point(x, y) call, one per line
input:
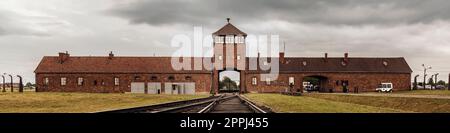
point(218, 39)
point(239, 39)
point(230, 39)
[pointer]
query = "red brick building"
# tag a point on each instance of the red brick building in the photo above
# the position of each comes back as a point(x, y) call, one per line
point(154, 75)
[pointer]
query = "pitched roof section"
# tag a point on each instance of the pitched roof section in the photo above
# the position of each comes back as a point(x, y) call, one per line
point(229, 29)
point(378, 65)
point(86, 64)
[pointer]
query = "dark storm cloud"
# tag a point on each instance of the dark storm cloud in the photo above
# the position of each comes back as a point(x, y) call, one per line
point(351, 12)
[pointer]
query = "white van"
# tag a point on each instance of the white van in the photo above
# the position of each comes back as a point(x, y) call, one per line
point(385, 87)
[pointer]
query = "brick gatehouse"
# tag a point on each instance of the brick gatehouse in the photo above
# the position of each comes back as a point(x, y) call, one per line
point(154, 75)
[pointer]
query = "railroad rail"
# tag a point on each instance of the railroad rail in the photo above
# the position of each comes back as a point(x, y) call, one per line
point(165, 107)
point(232, 104)
point(225, 103)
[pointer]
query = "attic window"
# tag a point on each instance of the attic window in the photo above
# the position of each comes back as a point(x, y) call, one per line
point(304, 63)
point(153, 78)
point(343, 63)
point(137, 77)
point(385, 63)
point(171, 78)
point(188, 77)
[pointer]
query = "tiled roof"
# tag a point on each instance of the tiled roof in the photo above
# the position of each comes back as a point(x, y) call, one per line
point(229, 29)
point(87, 64)
point(359, 64)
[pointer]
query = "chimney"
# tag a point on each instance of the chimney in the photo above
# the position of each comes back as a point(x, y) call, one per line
point(282, 58)
point(346, 57)
point(111, 55)
point(63, 57)
point(326, 57)
point(257, 60)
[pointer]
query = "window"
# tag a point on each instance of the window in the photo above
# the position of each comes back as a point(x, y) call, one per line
point(238, 57)
point(171, 78)
point(80, 81)
point(154, 78)
point(385, 63)
point(218, 39)
point(230, 39)
point(254, 81)
point(239, 39)
point(46, 81)
point(344, 82)
point(268, 81)
point(63, 81)
point(137, 78)
point(304, 63)
point(103, 83)
point(343, 63)
point(188, 77)
point(291, 80)
point(116, 81)
point(220, 57)
point(95, 82)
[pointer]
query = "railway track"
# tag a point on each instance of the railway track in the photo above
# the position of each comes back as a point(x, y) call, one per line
point(232, 104)
point(166, 107)
point(225, 103)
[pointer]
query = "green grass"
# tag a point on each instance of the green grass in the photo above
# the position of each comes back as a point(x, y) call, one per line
point(427, 105)
point(79, 102)
point(25, 89)
point(303, 104)
point(426, 92)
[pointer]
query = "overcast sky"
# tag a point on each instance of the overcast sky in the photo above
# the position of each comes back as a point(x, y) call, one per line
point(418, 30)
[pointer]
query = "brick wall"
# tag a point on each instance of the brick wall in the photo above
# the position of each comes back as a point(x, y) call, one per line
point(202, 82)
point(365, 82)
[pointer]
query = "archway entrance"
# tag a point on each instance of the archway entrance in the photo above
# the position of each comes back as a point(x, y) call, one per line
point(316, 84)
point(229, 81)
